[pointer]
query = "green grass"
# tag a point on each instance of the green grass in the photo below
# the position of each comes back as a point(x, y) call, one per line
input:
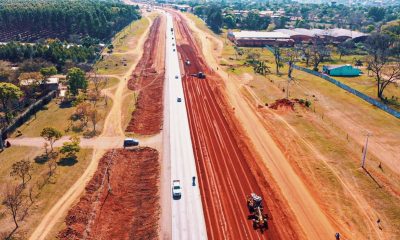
point(123, 42)
point(51, 116)
point(114, 64)
point(363, 83)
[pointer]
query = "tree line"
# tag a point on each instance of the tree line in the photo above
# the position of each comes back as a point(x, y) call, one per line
point(54, 51)
point(98, 19)
point(217, 19)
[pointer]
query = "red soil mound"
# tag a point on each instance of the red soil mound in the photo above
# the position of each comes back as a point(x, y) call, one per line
point(148, 80)
point(282, 103)
point(131, 209)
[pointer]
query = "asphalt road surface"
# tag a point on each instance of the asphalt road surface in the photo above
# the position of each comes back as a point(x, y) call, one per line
point(187, 213)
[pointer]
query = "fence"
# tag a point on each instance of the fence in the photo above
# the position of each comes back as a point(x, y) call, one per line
point(26, 114)
point(347, 88)
point(352, 91)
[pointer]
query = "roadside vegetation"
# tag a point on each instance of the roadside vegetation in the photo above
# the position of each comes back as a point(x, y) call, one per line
point(118, 56)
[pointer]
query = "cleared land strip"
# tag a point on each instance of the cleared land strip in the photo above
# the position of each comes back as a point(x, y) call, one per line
point(224, 162)
point(148, 81)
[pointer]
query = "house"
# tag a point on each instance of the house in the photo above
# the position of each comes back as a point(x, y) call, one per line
point(51, 83)
point(341, 70)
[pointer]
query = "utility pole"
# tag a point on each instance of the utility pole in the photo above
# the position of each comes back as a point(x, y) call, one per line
point(364, 154)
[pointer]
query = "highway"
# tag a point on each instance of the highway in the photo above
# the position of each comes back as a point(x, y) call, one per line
point(187, 213)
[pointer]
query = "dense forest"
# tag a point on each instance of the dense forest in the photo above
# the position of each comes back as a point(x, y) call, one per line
point(24, 20)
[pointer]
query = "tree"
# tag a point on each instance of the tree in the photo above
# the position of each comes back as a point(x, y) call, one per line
point(376, 13)
point(199, 11)
point(253, 21)
point(278, 59)
point(48, 71)
point(76, 80)
point(281, 22)
point(13, 201)
point(22, 169)
point(319, 53)
point(305, 50)
point(379, 45)
point(345, 47)
point(8, 92)
point(291, 57)
point(230, 21)
point(261, 68)
point(98, 84)
point(214, 18)
point(385, 72)
point(51, 135)
point(94, 117)
point(70, 149)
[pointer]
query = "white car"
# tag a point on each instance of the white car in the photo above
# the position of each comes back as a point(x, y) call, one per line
point(176, 189)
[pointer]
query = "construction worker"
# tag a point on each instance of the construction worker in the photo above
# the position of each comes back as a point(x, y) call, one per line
point(193, 181)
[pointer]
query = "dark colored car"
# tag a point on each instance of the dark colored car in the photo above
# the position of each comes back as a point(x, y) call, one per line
point(130, 142)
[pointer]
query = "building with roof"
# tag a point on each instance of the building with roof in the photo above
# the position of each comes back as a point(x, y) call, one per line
point(335, 35)
point(287, 37)
point(295, 35)
point(341, 70)
point(259, 39)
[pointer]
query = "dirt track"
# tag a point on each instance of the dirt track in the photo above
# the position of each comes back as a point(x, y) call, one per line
point(148, 80)
point(131, 210)
point(224, 163)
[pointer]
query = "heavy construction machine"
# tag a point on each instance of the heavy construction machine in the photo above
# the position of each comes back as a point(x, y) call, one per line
point(260, 220)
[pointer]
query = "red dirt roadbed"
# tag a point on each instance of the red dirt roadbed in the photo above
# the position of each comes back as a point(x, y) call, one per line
point(224, 162)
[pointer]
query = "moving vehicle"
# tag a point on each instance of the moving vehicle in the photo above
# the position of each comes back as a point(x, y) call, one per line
point(260, 220)
point(200, 75)
point(176, 76)
point(179, 99)
point(130, 142)
point(176, 189)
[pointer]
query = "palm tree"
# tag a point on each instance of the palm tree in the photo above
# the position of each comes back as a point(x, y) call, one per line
point(262, 68)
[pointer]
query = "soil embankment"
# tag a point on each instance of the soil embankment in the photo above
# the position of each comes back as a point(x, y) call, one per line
point(121, 200)
point(148, 81)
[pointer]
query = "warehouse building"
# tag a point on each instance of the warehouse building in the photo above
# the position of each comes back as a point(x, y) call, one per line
point(335, 35)
point(287, 37)
point(260, 39)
